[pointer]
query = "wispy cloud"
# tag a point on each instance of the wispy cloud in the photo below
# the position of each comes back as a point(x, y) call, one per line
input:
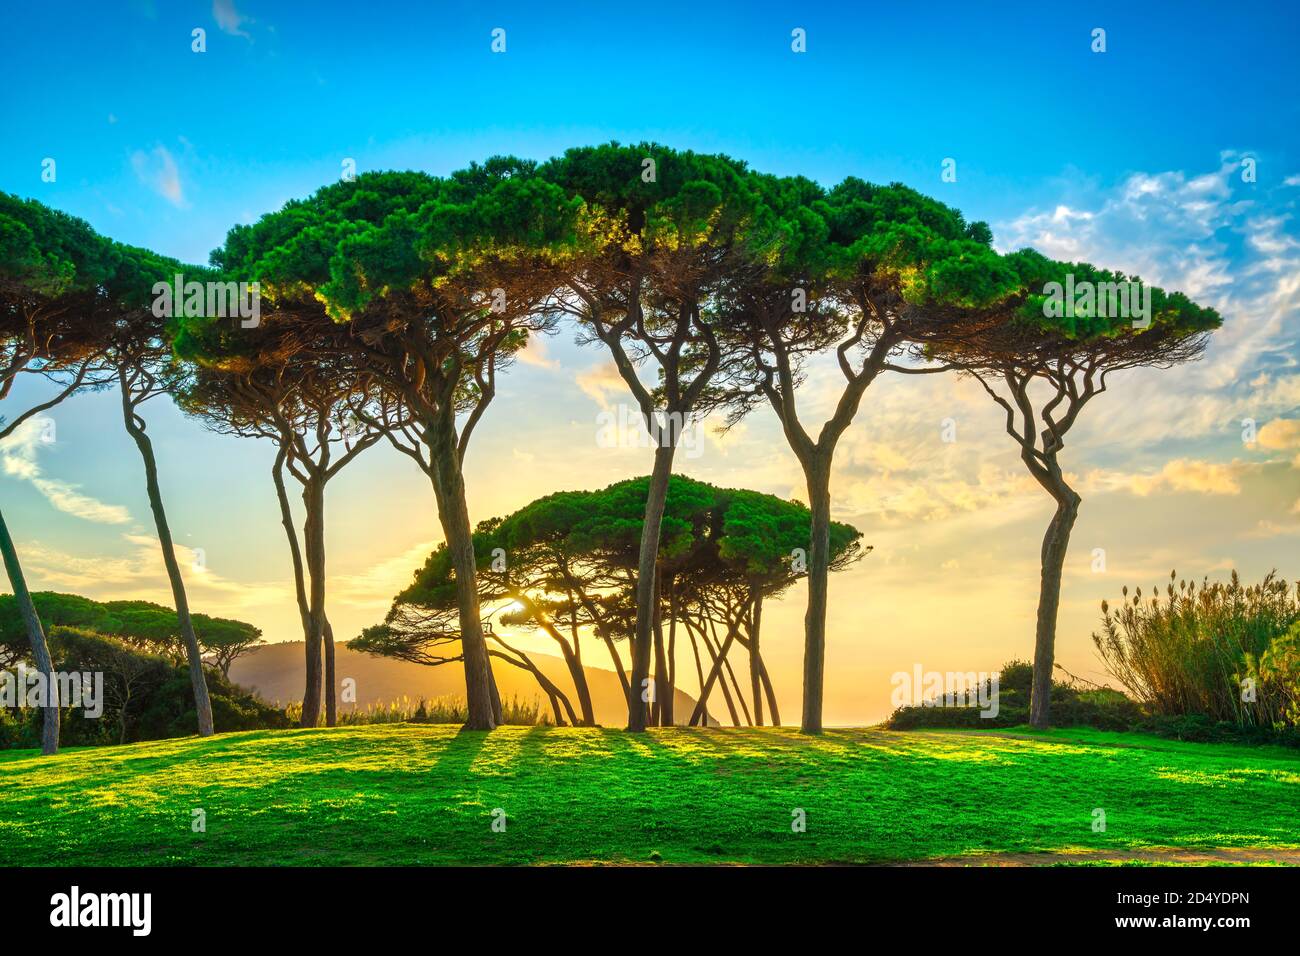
point(137, 571)
point(157, 169)
point(228, 18)
point(601, 383)
point(1181, 474)
point(1227, 243)
point(18, 457)
point(538, 354)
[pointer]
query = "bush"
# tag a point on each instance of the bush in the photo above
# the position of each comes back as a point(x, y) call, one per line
point(145, 697)
point(1072, 706)
point(1187, 654)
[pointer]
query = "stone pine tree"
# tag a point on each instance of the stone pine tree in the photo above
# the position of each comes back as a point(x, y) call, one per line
point(1043, 356)
point(857, 273)
point(438, 283)
point(53, 269)
point(289, 380)
point(666, 228)
point(139, 355)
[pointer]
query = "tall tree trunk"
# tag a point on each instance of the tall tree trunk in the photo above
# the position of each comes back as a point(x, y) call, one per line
point(481, 698)
point(331, 685)
point(1055, 544)
point(817, 470)
point(755, 662)
point(295, 552)
point(656, 498)
point(135, 428)
point(36, 637)
point(313, 536)
point(312, 661)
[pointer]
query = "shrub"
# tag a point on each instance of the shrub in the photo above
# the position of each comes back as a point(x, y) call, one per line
point(145, 697)
point(1187, 653)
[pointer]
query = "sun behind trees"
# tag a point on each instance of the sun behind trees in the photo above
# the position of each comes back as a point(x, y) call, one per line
point(567, 565)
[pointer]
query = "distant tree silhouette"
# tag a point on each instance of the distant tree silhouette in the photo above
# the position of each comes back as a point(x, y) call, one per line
point(573, 560)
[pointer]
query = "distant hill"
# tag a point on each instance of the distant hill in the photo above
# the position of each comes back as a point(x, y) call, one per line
point(275, 672)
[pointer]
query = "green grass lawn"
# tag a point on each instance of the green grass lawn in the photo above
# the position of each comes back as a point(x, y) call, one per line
point(419, 794)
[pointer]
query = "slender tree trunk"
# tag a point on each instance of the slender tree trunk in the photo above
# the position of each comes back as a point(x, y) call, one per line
point(656, 498)
point(718, 658)
point(312, 657)
point(313, 536)
point(699, 669)
point(481, 698)
point(818, 473)
point(755, 662)
point(331, 685)
point(556, 696)
point(295, 552)
point(771, 696)
point(579, 678)
point(202, 703)
point(618, 664)
point(1055, 544)
point(735, 684)
point(498, 713)
point(669, 696)
point(569, 652)
point(36, 637)
point(661, 666)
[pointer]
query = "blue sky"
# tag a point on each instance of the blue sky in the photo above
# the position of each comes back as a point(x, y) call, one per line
point(285, 91)
point(1130, 158)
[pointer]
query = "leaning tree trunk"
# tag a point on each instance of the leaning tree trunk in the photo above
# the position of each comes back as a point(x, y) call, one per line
point(481, 698)
point(202, 703)
point(313, 497)
point(299, 574)
point(756, 662)
point(36, 637)
point(818, 473)
point(1055, 544)
point(642, 641)
point(701, 705)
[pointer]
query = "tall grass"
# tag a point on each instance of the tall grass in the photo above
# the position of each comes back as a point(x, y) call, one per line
point(438, 710)
point(1208, 650)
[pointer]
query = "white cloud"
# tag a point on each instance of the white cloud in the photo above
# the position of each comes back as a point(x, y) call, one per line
point(537, 353)
point(228, 18)
point(1181, 474)
point(18, 458)
point(157, 170)
point(601, 382)
point(1227, 244)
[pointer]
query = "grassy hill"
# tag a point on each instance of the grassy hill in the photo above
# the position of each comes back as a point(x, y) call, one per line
point(398, 794)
